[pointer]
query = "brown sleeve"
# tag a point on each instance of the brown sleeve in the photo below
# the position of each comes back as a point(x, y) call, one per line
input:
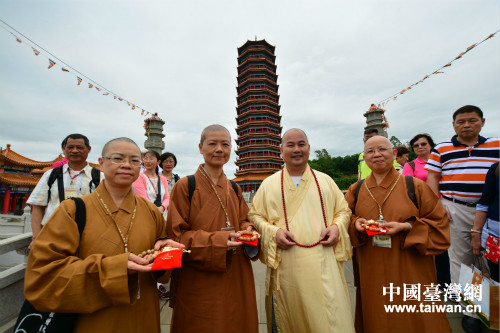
point(208, 248)
point(57, 280)
point(357, 239)
point(430, 233)
point(244, 223)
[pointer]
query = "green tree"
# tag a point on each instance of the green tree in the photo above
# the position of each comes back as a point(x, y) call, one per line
point(395, 141)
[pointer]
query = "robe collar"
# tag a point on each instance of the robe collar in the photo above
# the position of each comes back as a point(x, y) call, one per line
point(386, 183)
point(288, 182)
point(127, 204)
point(222, 183)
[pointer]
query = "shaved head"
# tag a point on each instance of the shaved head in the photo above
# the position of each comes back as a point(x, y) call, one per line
point(283, 140)
point(123, 139)
point(213, 128)
point(379, 139)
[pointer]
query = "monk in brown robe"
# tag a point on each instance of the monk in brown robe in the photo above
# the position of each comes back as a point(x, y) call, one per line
point(214, 290)
point(396, 268)
point(97, 275)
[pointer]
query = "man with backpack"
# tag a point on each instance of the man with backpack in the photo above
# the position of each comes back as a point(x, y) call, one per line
point(74, 179)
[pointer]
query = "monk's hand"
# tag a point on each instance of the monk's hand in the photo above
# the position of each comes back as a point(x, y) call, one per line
point(167, 242)
point(233, 244)
point(285, 239)
point(358, 224)
point(329, 236)
point(137, 264)
point(476, 243)
point(394, 228)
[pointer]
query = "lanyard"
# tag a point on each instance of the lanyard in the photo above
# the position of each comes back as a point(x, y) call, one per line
point(152, 184)
point(73, 177)
point(380, 216)
point(205, 174)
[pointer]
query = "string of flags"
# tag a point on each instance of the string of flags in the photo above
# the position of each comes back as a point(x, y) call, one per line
point(394, 97)
point(91, 83)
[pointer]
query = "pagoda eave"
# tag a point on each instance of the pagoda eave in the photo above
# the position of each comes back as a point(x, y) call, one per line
point(257, 80)
point(259, 90)
point(259, 70)
point(256, 146)
point(259, 123)
point(260, 100)
point(258, 159)
point(263, 171)
point(254, 135)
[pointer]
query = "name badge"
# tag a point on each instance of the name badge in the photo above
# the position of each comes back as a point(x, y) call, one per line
point(382, 241)
point(71, 192)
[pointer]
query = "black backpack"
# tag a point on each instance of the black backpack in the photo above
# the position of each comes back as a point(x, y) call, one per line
point(32, 320)
point(192, 186)
point(57, 173)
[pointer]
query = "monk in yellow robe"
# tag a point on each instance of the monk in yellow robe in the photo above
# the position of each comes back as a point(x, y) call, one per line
point(303, 218)
point(97, 275)
point(214, 290)
point(396, 268)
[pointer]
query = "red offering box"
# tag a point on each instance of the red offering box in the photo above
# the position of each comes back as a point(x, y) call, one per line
point(168, 260)
point(254, 242)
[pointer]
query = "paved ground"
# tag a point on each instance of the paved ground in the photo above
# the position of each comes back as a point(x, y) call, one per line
point(259, 271)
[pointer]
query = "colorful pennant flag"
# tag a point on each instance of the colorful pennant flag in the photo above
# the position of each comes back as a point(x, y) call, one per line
point(393, 97)
point(29, 43)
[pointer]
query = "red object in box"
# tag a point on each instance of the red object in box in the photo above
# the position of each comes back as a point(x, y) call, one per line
point(254, 242)
point(371, 233)
point(168, 260)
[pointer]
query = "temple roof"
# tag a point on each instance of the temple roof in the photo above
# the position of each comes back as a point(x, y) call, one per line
point(8, 155)
point(252, 177)
point(18, 179)
point(257, 42)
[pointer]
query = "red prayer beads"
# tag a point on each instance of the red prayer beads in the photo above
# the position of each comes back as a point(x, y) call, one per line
point(322, 208)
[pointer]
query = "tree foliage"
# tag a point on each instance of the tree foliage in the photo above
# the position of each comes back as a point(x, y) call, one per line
point(343, 170)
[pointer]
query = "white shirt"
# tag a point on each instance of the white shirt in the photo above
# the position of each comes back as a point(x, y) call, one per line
point(80, 186)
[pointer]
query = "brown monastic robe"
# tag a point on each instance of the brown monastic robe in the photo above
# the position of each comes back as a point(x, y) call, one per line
point(214, 289)
point(89, 275)
point(410, 260)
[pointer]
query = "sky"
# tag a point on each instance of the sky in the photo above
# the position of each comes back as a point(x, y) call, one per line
point(179, 59)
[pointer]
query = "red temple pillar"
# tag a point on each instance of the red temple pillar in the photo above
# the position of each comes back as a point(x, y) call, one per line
point(13, 200)
point(6, 202)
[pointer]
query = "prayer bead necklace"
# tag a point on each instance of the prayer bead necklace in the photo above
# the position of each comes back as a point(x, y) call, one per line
point(380, 216)
point(322, 208)
point(124, 239)
point(154, 253)
point(205, 174)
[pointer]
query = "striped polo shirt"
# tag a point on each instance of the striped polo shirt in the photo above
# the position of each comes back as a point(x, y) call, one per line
point(463, 169)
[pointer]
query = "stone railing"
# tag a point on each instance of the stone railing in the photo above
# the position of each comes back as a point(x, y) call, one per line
point(15, 236)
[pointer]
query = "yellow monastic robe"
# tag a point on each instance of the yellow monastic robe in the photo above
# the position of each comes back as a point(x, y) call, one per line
point(88, 275)
point(306, 286)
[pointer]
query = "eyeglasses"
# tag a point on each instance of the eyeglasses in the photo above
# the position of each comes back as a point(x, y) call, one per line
point(133, 161)
point(423, 144)
point(381, 150)
point(149, 158)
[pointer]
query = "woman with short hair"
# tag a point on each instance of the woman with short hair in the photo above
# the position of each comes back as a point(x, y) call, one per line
point(422, 145)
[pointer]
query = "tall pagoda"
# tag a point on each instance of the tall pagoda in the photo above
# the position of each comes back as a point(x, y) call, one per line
point(258, 115)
